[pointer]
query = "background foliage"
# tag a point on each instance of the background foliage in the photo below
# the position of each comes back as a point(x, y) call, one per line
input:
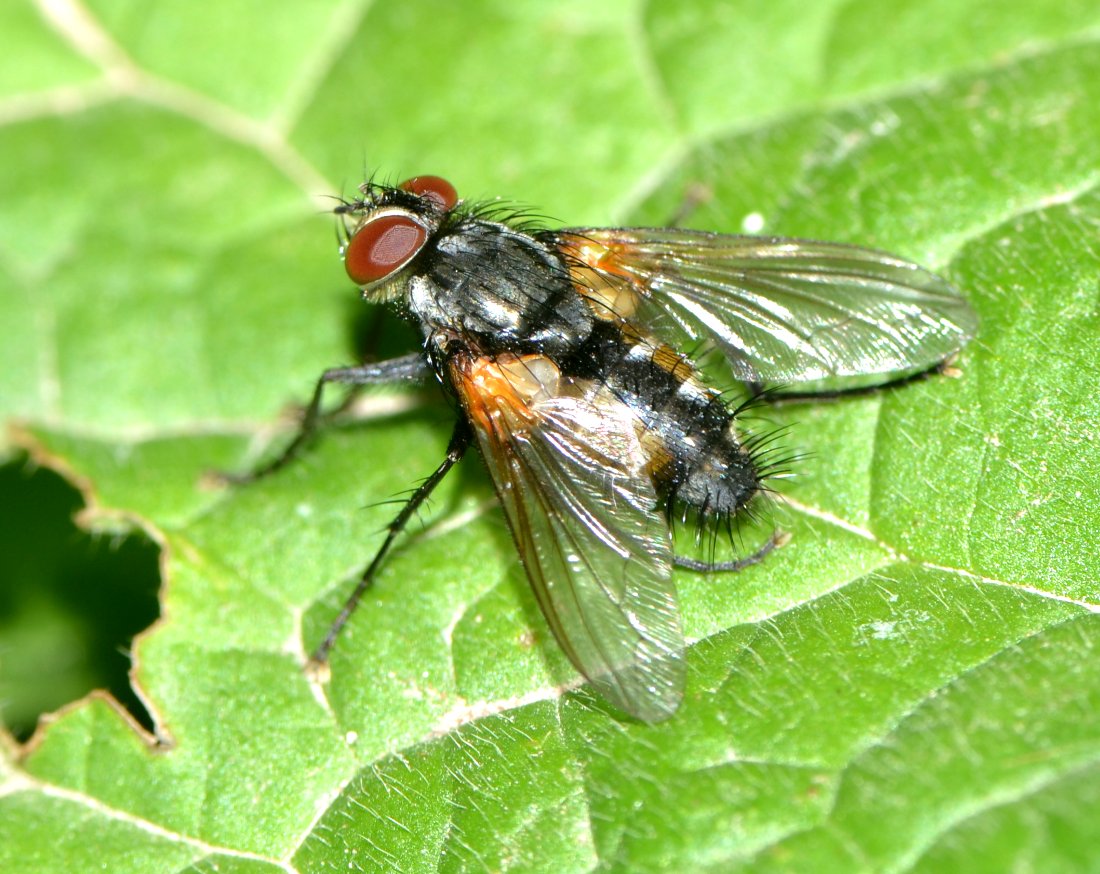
point(909, 685)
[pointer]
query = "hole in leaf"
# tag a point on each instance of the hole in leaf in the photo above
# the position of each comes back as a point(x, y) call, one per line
point(70, 602)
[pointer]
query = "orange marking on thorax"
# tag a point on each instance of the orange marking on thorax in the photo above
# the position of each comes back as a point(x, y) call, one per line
point(612, 291)
point(489, 387)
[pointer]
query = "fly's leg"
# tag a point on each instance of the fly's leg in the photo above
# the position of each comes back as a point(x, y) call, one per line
point(369, 337)
point(460, 441)
point(695, 195)
point(776, 540)
point(782, 396)
point(406, 368)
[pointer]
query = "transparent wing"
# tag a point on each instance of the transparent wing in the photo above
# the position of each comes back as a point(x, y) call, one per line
point(597, 550)
point(779, 309)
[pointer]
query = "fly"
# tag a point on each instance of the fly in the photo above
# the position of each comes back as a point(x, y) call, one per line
point(562, 351)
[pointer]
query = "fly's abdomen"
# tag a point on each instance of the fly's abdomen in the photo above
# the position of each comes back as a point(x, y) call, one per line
point(687, 431)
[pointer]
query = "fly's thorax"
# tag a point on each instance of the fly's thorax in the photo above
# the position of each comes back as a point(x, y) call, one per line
point(501, 288)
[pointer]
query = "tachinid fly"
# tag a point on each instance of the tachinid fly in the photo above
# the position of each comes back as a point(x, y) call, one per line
point(564, 352)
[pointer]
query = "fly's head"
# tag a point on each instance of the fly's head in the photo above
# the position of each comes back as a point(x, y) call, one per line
point(387, 227)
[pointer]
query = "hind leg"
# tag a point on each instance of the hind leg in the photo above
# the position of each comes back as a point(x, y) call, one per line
point(782, 396)
point(779, 538)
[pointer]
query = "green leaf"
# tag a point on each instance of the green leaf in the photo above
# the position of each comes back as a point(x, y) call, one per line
point(908, 684)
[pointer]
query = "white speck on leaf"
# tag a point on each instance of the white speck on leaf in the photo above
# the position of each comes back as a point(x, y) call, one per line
point(753, 223)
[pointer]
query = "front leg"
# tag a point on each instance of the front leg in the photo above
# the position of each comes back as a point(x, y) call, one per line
point(406, 368)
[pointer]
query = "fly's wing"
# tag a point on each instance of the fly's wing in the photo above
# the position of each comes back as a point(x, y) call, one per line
point(584, 514)
point(781, 310)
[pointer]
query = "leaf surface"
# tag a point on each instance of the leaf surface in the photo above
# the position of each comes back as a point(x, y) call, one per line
point(909, 684)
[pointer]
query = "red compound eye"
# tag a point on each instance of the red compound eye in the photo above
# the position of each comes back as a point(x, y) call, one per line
point(381, 246)
point(433, 187)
